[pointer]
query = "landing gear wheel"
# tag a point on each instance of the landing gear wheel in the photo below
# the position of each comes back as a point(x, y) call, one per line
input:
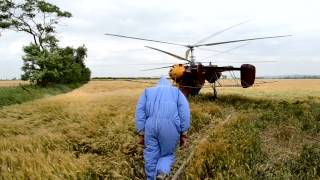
point(215, 92)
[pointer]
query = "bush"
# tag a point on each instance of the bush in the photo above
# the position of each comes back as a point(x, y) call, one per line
point(56, 65)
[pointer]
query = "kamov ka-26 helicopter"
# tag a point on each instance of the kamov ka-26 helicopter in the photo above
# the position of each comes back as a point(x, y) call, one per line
point(190, 77)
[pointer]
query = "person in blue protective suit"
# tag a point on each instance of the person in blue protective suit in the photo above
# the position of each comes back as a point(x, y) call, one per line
point(162, 118)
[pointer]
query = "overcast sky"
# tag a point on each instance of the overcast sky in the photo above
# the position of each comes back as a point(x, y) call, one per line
point(185, 22)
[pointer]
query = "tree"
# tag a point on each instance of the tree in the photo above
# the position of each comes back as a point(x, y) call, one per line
point(44, 61)
point(35, 17)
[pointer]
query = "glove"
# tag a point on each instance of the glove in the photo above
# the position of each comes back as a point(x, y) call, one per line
point(141, 140)
point(183, 140)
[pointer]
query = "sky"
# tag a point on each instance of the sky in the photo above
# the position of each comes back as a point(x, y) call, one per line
point(185, 22)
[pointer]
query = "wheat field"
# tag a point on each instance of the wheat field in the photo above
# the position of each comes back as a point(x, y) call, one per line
point(275, 88)
point(12, 83)
point(89, 132)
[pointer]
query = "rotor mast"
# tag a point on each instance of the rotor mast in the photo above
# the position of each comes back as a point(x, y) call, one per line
point(192, 57)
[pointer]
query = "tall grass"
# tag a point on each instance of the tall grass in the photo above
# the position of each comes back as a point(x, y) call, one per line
point(264, 139)
point(88, 133)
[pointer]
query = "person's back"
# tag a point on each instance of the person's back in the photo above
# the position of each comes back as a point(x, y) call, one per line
point(162, 115)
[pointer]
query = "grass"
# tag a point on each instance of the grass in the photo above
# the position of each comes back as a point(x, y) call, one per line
point(89, 134)
point(22, 93)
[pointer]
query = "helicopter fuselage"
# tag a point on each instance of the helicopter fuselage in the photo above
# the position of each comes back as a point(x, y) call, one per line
point(191, 78)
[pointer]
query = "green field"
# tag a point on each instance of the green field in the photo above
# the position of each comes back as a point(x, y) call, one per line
point(17, 92)
point(268, 131)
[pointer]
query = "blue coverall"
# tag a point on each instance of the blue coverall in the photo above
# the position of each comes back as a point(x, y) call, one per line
point(162, 114)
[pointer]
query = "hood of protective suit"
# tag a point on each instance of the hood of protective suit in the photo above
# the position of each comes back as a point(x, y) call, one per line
point(164, 82)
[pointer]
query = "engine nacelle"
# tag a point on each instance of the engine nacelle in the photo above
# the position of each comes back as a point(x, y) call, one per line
point(176, 72)
point(248, 75)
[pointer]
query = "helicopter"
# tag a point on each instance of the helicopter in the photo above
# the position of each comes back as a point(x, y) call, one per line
point(190, 77)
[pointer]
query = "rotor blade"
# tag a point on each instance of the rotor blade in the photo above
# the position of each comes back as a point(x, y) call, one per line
point(176, 56)
point(212, 50)
point(150, 64)
point(240, 62)
point(157, 68)
point(222, 68)
point(227, 51)
point(220, 32)
point(142, 39)
point(141, 64)
point(240, 40)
